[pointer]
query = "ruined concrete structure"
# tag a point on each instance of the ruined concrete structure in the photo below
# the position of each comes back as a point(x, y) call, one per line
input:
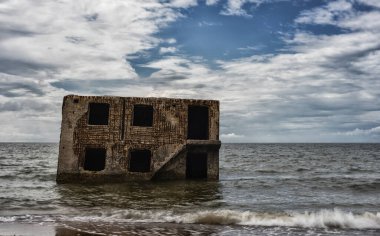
point(129, 138)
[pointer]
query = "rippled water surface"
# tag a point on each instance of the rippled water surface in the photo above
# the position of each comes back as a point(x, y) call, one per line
point(273, 189)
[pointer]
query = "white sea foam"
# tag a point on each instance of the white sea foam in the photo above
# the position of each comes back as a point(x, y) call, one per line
point(320, 219)
point(5, 219)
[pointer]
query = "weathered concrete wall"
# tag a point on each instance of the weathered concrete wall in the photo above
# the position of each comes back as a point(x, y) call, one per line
point(166, 138)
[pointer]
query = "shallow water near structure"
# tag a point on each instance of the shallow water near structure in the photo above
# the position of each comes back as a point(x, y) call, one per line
point(270, 189)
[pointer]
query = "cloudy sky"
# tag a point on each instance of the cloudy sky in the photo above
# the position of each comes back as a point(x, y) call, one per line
point(284, 71)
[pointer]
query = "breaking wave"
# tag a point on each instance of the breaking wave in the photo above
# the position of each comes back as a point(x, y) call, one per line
point(320, 219)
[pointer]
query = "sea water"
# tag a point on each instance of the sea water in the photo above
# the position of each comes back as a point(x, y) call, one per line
point(264, 189)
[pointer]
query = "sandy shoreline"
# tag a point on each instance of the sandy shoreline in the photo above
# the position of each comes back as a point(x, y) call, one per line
point(102, 228)
point(42, 229)
point(107, 228)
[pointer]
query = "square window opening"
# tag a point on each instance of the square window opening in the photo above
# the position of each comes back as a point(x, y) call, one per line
point(95, 159)
point(143, 115)
point(140, 161)
point(98, 113)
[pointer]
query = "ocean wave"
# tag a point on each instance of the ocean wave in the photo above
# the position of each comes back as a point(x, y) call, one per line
point(6, 219)
point(268, 171)
point(320, 219)
point(365, 186)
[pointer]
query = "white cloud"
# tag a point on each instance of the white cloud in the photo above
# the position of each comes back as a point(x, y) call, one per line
point(183, 3)
point(355, 132)
point(326, 83)
point(211, 2)
point(236, 7)
point(341, 13)
point(374, 3)
point(29, 109)
point(171, 41)
point(232, 138)
point(314, 89)
point(329, 14)
point(30, 127)
point(368, 21)
point(44, 42)
point(178, 66)
point(88, 40)
point(231, 135)
point(368, 63)
point(165, 50)
point(252, 48)
point(208, 23)
point(323, 86)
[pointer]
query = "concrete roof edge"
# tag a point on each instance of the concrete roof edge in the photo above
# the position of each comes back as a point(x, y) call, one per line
point(158, 98)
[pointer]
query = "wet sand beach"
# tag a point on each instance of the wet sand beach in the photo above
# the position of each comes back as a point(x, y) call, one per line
point(145, 229)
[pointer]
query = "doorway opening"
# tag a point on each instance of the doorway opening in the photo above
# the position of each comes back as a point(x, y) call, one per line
point(196, 165)
point(198, 117)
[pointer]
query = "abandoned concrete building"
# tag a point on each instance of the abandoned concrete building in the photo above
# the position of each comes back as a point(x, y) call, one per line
point(106, 138)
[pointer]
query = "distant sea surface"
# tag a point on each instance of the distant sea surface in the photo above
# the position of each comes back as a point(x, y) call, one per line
point(264, 189)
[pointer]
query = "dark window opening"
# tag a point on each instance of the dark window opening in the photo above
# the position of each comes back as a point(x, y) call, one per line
point(197, 123)
point(196, 165)
point(95, 159)
point(142, 115)
point(98, 113)
point(140, 161)
point(76, 100)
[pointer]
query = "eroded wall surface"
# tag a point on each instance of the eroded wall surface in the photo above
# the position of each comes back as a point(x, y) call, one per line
point(166, 138)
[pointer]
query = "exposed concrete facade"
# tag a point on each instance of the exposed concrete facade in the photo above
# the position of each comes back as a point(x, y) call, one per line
point(128, 138)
